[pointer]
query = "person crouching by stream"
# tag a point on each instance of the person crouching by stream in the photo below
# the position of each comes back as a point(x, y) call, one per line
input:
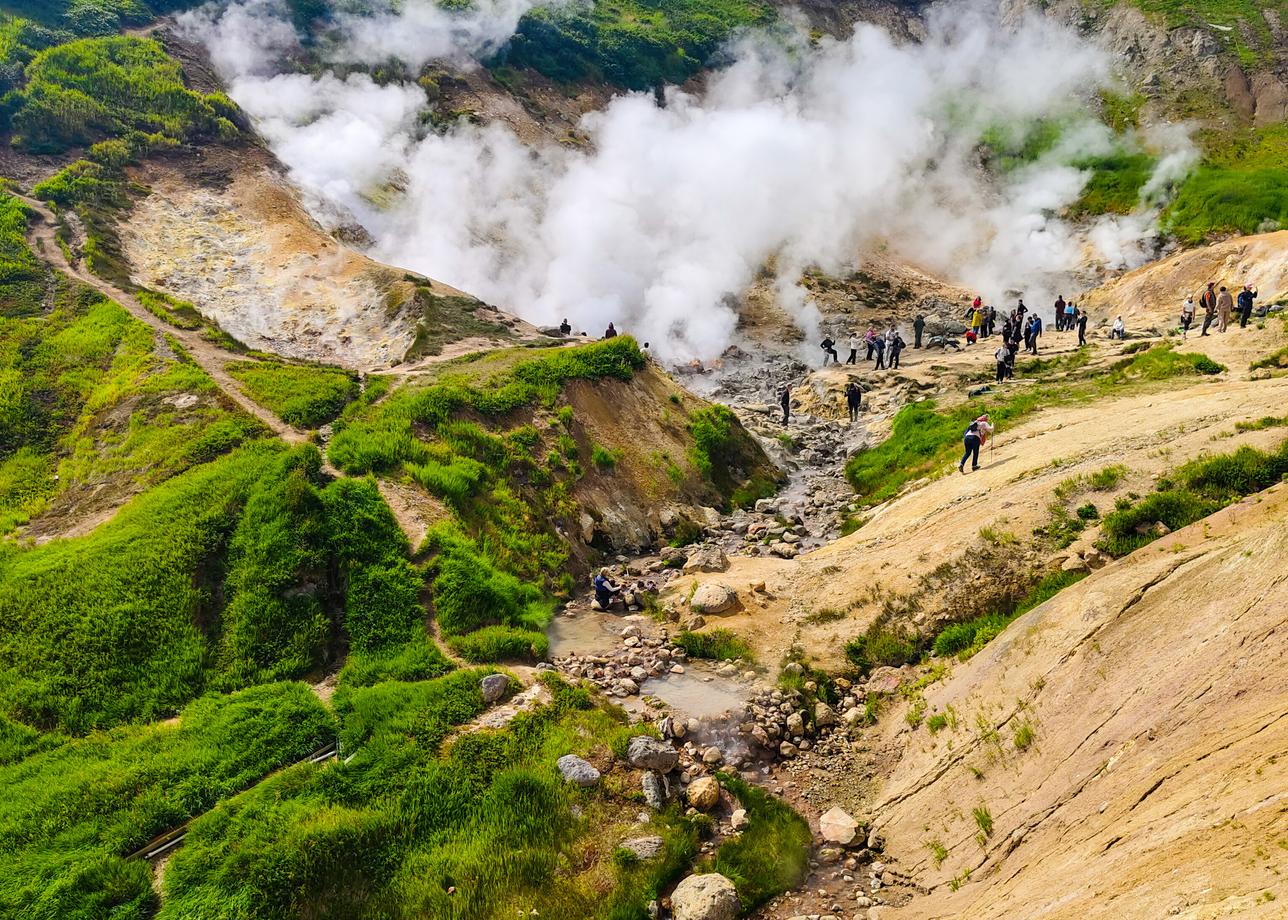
point(606, 592)
point(975, 437)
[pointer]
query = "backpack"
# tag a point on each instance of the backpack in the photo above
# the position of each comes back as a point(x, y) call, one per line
point(972, 428)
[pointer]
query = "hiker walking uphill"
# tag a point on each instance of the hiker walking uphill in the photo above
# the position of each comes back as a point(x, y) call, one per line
point(976, 436)
point(918, 325)
point(1224, 307)
point(829, 349)
point(853, 399)
point(1208, 303)
point(1246, 297)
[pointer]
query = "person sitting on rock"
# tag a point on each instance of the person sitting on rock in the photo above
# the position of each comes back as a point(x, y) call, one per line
point(606, 591)
point(565, 328)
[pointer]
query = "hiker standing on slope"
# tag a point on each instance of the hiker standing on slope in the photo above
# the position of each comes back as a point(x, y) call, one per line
point(1082, 330)
point(785, 400)
point(854, 348)
point(976, 435)
point(1002, 355)
point(1059, 312)
point(1208, 302)
point(1187, 317)
point(853, 399)
point(1224, 306)
point(896, 346)
point(1246, 297)
point(610, 332)
point(829, 349)
point(918, 325)
point(878, 346)
point(871, 340)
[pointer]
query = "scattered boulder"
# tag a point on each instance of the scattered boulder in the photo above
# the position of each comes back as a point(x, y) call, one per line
point(824, 715)
point(739, 820)
point(494, 687)
point(704, 793)
point(577, 771)
point(1095, 559)
point(707, 559)
point(713, 598)
point(644, 847)
point(654, 787)
point(647, 753)
point(885, 680)
point(705, 897)
point(837, 826)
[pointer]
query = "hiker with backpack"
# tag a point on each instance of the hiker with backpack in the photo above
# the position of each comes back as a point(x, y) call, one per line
point(829, 348)
point(1208, 302)
point(975, 437)
point(897, 345)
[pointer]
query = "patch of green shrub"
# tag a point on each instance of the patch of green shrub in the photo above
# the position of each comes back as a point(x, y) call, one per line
point(967, 638)
point(302, 395)
point(881, 646)
point(501, 643)
point(715, 644)
point(69, 814)
point(1240, 187)
point(772, 855)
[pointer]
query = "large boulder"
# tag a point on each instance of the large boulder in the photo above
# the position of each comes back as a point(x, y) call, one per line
point(494, 687)
point(713, 598)
point(705, 897)
point(837, 826)
point(648, 753)
point(704, 793)
point(577, 771)
point(706, 559)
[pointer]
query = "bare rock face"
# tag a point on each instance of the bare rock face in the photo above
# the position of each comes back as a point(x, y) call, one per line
point(713, 598)
point(644, 847)
point(704, 793)
point(837, 826)
point(705, 897)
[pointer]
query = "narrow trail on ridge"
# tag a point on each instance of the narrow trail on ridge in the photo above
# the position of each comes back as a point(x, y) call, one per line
point(210, 358)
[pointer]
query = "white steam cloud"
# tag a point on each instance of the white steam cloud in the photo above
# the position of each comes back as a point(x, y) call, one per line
point(795, 155)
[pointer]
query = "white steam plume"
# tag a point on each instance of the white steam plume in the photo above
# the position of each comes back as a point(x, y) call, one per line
point(797, 154)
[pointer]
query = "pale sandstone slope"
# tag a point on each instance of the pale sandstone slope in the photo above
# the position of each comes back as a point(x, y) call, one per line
point(1152, 295)
point(1157, 783)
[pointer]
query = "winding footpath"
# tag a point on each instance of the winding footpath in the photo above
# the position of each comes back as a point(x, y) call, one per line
point(209, 357)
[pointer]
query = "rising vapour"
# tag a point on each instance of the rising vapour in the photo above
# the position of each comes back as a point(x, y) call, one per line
point(797, 154)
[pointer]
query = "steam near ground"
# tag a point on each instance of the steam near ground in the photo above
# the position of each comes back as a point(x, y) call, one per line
point(795, 155)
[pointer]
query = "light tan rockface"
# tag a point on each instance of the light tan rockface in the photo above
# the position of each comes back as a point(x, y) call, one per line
point(1152, 295)
point(1156, 780)
point(248, 256)
point(940, 520)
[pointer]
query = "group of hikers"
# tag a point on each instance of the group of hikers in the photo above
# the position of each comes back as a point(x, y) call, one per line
point(882, 349)
point(1218, 308)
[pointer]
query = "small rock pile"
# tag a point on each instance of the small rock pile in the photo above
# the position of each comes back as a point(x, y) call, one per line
point(622, 672)
point(787, 722)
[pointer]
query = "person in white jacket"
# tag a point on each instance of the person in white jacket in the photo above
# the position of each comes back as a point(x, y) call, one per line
point(855, 342)
point(1001, 356)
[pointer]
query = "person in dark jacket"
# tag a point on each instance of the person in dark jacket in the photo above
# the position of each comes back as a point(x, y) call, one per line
point(918, 325)
point(878, 348)
point(1246, 297)
point(605, 591)
point(896, 347)
point(1059, 313)
point(785, 400)
point(565, 328)
point(1082, 329)
point(853, 399)
point(610, 332)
